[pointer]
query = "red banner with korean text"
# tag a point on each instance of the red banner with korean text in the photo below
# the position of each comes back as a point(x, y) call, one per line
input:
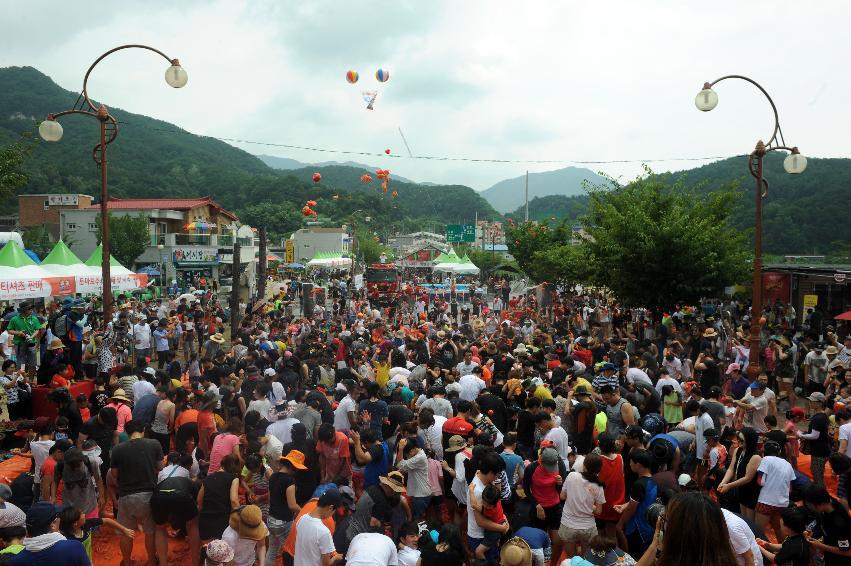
point(776, 286)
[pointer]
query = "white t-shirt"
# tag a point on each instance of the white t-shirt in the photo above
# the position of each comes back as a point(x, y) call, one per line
point(142, 388)
point(172, 471)
point(341, 414)
point(558, 436)
point(40, 450)
point(6, 344)
point(777, 475)
point(755, 418)
point(142, 334)
point(845, 434)
point(741, 538)
point(580, 496)
point(471, 385)
point(408, 556)
point(672, 382)
point(282, 430)
point(473, 528)
point(244, 550)
point(634, 375)
point(459, 484)
point(434, 436)
point(312, 540)
point(371, 549)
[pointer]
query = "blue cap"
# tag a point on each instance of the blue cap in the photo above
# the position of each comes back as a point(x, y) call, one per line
point(42, 513)
point(608, 366)
point(757, 385)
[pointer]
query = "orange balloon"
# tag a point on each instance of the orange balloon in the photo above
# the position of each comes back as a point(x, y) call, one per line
point(311, 203)
point(317, 177)
point(365, 179)
point(394, 194)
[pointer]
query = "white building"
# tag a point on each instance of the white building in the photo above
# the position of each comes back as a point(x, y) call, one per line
point(307, 242)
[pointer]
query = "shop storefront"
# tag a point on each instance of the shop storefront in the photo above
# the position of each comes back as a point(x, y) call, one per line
point(196, 266)
point(824, 287)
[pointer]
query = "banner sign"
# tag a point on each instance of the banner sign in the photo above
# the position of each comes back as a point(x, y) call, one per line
point(12, 289)
point(196, 256)
point(776, 286)
point(290, 252)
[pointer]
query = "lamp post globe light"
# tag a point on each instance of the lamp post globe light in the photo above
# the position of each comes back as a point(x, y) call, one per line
point(795, 163)
point(50, 130)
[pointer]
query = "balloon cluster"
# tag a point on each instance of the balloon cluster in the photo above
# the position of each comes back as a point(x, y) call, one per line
point(366, 179)
point(384, 175)
point(307, 210)
point(317, 177)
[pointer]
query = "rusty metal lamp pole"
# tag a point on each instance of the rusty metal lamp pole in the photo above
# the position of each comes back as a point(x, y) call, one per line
point(51, 131)
point(795, 163)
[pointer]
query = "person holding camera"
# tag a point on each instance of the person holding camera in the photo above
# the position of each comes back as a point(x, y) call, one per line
point(26, 330)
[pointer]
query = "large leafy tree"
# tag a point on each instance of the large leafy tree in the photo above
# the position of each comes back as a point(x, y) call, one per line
point(13, 176)
point(656, 243)
point(38, 239)
point(128, 237)
point(549, 253)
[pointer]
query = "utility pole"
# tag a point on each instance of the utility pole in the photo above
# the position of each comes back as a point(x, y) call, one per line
point(234, 292)
point(261, 267)
point(527, 197)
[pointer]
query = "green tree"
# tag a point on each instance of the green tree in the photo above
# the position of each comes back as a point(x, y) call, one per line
point(656, 242)
point(369, 249)
point(38, 239)
point(128, 237)
point(279, 219)
point(484, 260)
point(545, 253)
point(12, 158)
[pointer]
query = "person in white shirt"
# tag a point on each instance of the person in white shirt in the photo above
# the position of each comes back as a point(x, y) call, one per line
point(844, 418)
point(409, 538)
point(742, 540)
point(174, 469)
point(282, 427)
point(431, 426)
point(775, 475)
point(6, 345)
point(142, 336)
point(314, 545)
point(471, 384)
point(372, 549)
point(345, 415)
point(555, 434)
point(466, 367)
point(635, 374)
point(668, 380)
point(756, 407)
point(143, 386)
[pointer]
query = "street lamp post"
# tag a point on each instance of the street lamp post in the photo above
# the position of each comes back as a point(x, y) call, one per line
point(51, 131)
point(795, 163)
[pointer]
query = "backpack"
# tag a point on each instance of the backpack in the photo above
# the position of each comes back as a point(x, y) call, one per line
point(60, 326)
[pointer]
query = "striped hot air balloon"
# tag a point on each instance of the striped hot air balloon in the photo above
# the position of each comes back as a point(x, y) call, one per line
point(382, 75)
point(352, 76)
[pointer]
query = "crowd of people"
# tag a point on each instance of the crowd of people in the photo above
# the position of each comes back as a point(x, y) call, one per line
point(554, 426)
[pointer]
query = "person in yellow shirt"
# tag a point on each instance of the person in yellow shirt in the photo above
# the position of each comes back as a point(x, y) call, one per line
point(536, 388)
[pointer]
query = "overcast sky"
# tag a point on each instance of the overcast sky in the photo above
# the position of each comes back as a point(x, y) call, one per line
point(571, 81)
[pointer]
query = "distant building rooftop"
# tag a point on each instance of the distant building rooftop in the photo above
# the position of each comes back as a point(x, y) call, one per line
point(115, 203)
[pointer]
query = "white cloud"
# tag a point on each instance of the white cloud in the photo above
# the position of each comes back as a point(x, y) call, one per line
point(534, 80)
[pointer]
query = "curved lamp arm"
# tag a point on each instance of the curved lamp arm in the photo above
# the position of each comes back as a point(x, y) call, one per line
point(777, 131)
point(85, 94)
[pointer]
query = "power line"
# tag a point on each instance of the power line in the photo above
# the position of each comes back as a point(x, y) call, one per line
point(431, 157)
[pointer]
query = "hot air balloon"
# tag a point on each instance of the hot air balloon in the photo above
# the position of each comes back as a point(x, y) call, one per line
point(365, 179)
point(352, 76)
point(382, 75)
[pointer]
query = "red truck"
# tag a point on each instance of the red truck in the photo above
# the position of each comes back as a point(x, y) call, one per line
point(383, 284)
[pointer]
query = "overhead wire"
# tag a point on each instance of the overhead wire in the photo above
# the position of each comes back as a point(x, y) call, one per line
point(431, 157)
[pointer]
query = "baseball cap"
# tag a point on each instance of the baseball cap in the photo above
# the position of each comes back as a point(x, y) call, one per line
point(549, 459)
point(683, 480)
point(757, 385)
point(270, 372)
point(42, 513)
point(150, 371)
point(330, 497)
point(818, 396)
point(733, 367)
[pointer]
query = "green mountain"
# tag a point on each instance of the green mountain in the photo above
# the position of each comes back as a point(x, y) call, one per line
point(802, 214)
point(508, 194)
point(152, 158)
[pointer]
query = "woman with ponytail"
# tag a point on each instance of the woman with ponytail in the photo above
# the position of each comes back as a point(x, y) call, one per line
point(583, 498)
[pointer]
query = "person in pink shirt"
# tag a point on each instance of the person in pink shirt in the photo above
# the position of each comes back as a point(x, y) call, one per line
point(121, 403)
point(226, 443)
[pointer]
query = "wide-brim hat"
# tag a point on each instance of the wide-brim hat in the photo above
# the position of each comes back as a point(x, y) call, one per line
point(296, 459)
point(515, 552)
point(394, 481)
point(248, 522)
point(56, 344)
point(209, 400)
point(710, 333)
point(121, 396)
point(217, 338)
